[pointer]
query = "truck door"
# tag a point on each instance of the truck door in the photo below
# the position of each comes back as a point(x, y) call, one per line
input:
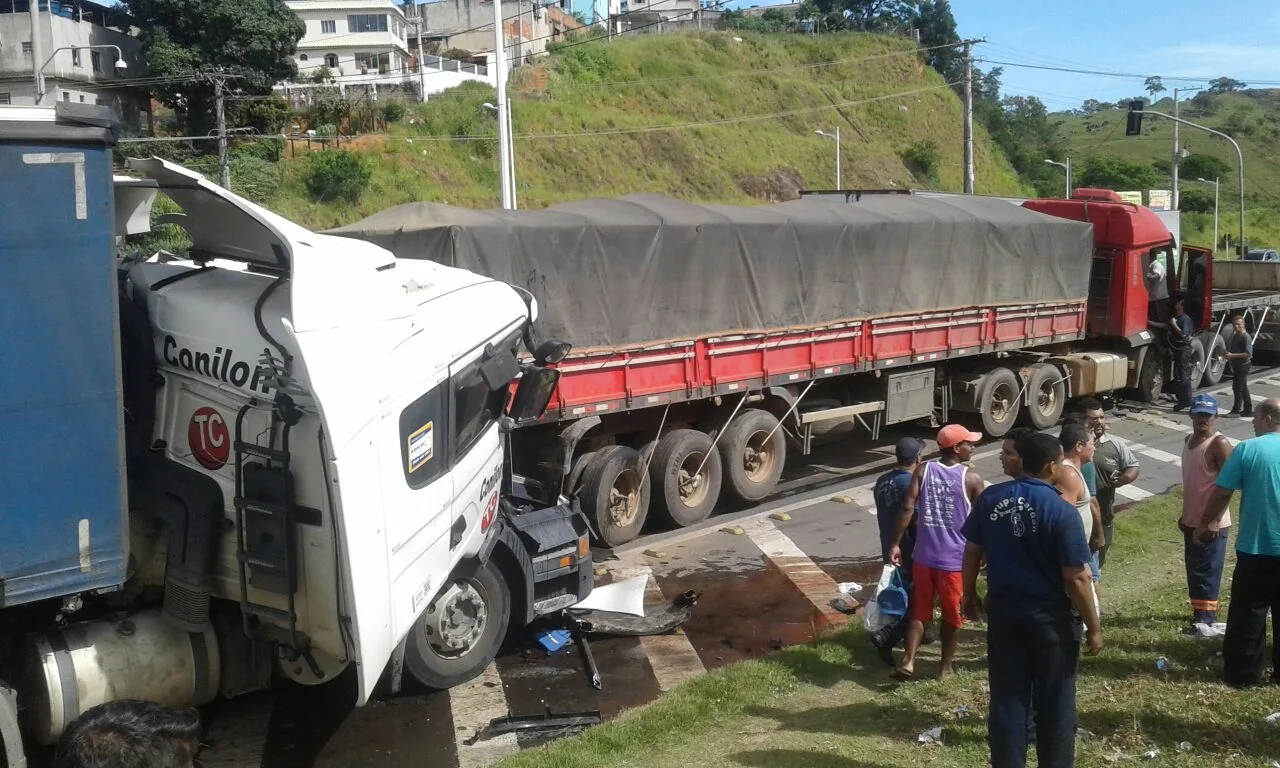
point(1195, 281)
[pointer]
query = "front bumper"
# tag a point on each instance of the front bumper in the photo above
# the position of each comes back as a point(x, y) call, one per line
point(552, 546)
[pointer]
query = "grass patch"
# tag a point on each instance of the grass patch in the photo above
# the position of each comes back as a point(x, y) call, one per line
point(832, 705)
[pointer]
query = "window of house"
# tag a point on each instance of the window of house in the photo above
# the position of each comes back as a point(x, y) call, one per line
point(374, 62)
point(5, 98)
point(82, 98)
point(328, 27)
point(66, 96)
point(331, 60)
point(26, 48)
point(75, 57)
point(367, 22)
point(302, 57)
point(96, 58)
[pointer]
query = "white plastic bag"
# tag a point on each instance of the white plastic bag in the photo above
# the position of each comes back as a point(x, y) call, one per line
point(872, 617)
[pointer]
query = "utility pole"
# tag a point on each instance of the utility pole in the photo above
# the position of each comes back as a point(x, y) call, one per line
point(37, 49)
point(511, 140)
point(968, 117)
point(1177, 151)
point(219, 98)
point(421, 20)
point(500, 82)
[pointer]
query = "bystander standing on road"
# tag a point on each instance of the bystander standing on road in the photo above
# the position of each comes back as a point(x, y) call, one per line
point(1203, 455)
point(1038, 592)
point(1253, 469)
point(1240, 357)
point(945, 490)
point(1116, 466)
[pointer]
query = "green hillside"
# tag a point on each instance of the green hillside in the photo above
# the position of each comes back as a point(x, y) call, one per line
point(1252, 118)
point(743, 111)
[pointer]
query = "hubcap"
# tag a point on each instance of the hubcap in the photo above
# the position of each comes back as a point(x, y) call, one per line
point(693, 488)
point(1001, 403)
point(758, 457)
point(1047, 398)
point(456, 620)
point(624, 499)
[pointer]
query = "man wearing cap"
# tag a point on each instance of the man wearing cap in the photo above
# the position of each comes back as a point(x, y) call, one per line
point(945, 490)
point(890, 490)
point(1204, 454)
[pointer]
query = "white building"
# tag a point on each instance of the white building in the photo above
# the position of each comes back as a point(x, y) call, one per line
point(78, 63)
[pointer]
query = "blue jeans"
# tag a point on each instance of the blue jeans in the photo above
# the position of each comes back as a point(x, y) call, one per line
point(1037, 673)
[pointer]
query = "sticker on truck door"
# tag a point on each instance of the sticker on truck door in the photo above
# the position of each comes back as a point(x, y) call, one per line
point(209, 438)
point(421, 446)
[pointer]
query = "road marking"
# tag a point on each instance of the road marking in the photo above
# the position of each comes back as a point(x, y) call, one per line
point(864, 496)
point(1268, 382)
point(1133, 493)
point(474, 704)
point(812, 581)
point(1160, 421)
point(671, 656)
point(1156, 454)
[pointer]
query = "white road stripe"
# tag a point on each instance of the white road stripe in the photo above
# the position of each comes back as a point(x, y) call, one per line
point(1268, 382)
point(1133, 493)
point(812, 581)
point(671, 656)
point(864, 496)
point(1157, 454)
point(474, 704)
point(1160, 421)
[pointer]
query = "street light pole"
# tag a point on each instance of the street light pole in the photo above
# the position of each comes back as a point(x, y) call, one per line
point(835, 136)
point(35, 54)
point(1239, 159)
point(1067, 167)
point(1215, 210)
point(500, 82)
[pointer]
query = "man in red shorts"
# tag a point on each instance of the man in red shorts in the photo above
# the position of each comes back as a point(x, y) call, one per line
point(939, 498)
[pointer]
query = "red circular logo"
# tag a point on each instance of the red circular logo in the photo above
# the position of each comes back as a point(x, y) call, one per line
point(209, 439)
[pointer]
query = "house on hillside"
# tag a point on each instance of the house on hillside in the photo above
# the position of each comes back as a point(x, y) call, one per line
point(80, 44)
point(467, 25)
point(658, 16)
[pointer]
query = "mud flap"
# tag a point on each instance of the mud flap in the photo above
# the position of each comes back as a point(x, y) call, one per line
point(657, 622)
point(9, 731)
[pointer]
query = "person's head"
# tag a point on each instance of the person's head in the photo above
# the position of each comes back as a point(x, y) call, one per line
point(908, 452)
point(957, 441)
point(1237, 322)
point(1077, 442)
point(1039, 454)
point(1010, 459)
point(1266, 417)
point(1094, 417)
point(1204, 415)
point(1179, 307)
point(129, 733)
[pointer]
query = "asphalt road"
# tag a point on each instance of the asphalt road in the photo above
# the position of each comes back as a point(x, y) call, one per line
point(765, 575)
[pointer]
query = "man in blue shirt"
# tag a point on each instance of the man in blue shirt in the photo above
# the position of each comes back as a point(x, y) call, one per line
point(1181, 329)
point(1039, 587)
point(1253, 469)
point(890, 490)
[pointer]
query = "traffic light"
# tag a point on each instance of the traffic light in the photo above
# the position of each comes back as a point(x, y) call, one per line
point(1134, 126)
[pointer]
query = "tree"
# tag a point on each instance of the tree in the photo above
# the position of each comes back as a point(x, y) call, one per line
point(251, 42)
point(937, 26)
point(1154, 85)
point(1226, 85)
point(1117, 174)
point(1093, 106)
point(1204, 167)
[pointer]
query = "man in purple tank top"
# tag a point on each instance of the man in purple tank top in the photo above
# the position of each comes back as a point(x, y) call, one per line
point(939, 499)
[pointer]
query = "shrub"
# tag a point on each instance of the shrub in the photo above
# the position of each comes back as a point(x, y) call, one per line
point(921, 158)
point(336, 175)
point(393, 111)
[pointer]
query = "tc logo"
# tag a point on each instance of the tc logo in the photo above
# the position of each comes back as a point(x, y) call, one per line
point(209, 439)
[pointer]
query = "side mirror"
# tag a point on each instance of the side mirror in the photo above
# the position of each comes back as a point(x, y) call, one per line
point(533, 394)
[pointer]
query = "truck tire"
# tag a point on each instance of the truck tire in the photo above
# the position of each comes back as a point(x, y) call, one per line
point(1047, 393)
point(682, 498)
point(999, 401)
point(1197, 363)
point(1215, 348)
point(613, 495)
point(1152, 375)
point(460, 632)
point(753, 466)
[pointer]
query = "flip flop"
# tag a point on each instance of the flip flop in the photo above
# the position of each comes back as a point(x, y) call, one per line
point(902, 674)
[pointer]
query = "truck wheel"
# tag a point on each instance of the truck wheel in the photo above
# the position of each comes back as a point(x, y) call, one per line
point(999, 401)
point(1197, 363)
point(1216, 350)
point(753, 461)
point(613, 495)
point(685, 498)
point(1151, 377)
point(461, 630)
point(1048, 394)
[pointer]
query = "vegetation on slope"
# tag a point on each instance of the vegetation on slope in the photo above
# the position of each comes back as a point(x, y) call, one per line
point(710, 116)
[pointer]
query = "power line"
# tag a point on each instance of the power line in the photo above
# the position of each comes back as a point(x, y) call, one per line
point(1124, 75)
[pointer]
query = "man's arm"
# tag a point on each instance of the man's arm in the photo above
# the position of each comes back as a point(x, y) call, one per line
point(1218, 453)
point(1213, 512)
point(1097, 539)
point(973, 554)
point(908, 513)
point(1129, 468)
point(1070, 485)
point(973, 486)
point(1078, 582)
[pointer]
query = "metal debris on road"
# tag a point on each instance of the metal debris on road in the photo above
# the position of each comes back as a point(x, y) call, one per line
point(546, 721)
point(657, 621)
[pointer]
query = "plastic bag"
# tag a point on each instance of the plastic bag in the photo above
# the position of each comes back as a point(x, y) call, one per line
point(877, 616)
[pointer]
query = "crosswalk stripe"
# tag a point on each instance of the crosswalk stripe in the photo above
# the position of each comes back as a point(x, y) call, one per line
point(1157, 454)
point(671, 656)
point(1133, 493)
point(1161, 421)
point(812, 581)
point(474, 704)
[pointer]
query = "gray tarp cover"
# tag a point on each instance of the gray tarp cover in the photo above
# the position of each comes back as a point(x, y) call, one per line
point(643, 269)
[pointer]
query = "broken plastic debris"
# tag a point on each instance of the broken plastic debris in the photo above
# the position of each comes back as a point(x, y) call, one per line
point(962, 711)
point(1152, 754)
point(1184, 746)
point(1086, 734)
point(931, 736)
point(625, 596)
point(849, 588)
point(1273, 718)
point(1162, 664)
point(1217, 629)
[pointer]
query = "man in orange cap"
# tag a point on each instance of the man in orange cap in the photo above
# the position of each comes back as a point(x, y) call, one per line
point(945, 490)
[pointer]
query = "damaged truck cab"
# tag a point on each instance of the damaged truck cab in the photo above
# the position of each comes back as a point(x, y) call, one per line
point(282, 453)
